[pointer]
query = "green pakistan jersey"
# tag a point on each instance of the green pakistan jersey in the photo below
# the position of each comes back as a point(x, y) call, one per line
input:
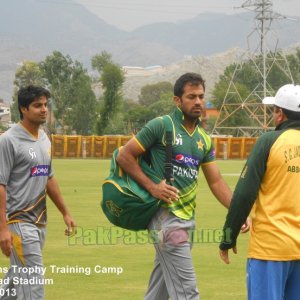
point(271, 181)
point(189, 151)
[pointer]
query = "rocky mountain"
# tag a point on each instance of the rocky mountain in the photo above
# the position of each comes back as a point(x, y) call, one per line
point(32, 29)
point(210, 67)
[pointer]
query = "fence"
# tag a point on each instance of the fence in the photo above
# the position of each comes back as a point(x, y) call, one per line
point(233, 148)
point(86, 146)
point(103, 146)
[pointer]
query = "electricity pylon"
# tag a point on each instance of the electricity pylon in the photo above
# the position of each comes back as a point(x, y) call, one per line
point(262, 58)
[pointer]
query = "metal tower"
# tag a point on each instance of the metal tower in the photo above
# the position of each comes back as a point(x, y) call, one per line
point(248, 105)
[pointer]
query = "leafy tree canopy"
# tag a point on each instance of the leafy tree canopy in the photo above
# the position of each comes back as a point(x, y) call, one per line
point(151, 93)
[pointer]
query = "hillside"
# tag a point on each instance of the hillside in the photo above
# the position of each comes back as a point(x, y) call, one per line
point(210, 67)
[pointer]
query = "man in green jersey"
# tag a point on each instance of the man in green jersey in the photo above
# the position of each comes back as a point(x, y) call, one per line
point(270, 183)
point(173, 274)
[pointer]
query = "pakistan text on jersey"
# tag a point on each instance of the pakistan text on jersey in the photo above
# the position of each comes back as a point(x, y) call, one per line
point(185, 172)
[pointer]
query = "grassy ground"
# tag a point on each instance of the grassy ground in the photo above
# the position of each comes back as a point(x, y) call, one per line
point(92, 250)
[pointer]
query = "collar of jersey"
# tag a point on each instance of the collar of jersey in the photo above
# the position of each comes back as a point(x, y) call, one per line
point(28, 132)
point(179, 116)
point(289, 124)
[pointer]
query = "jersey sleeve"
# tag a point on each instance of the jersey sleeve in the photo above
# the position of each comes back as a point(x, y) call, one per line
point(7, 153)
point(208, 147)
point(210, 154)
point(151, 133)
point(51, 173)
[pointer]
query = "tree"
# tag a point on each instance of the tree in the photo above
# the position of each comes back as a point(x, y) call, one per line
point(82, 110)
point(101, 60)
point(294, 64)
point(151, 93)
point(29, 73)
point(164, 105)
point(137, 117)
point(57, 68)
point(111, 78)
point(70, 85)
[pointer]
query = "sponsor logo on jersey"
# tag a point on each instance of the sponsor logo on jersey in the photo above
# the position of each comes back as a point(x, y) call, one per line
point(40, 170)
point(178, 139)
point(214, 153)
point(32, 153)
point(187, 160)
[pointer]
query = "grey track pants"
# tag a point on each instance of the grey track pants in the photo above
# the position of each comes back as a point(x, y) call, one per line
point(173, 275)
point(28, 241)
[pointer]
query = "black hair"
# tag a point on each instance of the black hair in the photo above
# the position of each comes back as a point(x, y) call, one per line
point(27, 95)
point(187, 78)
point(291, 115)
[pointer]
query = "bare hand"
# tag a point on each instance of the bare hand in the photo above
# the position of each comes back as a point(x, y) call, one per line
point(71, 230)
point(6, 242)
point(225, 256)
point(246, 226)
point(165, 192)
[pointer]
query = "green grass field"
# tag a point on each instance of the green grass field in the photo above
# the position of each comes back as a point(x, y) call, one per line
point(80, 182)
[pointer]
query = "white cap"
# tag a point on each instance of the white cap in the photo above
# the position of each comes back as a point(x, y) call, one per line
point(288, 97)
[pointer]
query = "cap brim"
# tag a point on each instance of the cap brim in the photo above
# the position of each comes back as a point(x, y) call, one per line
point(269, 100)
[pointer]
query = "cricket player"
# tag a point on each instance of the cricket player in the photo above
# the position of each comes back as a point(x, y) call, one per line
point(26, 176)
point(173, 275)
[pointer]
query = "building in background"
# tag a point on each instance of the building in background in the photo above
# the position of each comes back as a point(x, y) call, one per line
point(5, 116)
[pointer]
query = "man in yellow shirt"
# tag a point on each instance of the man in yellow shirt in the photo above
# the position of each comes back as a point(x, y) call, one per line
point(270, 181)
